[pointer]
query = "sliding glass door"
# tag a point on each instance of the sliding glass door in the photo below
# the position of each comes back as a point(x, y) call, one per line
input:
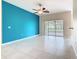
point(54, 28)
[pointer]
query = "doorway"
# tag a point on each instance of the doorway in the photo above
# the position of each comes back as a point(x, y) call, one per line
point(54, 28)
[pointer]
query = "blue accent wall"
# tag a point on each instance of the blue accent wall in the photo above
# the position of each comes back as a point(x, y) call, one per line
point(17, 23)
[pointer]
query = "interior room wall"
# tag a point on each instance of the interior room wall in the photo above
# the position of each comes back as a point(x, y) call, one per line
point(73, 40)
point(17, 23)
point(74, 36)
point(66, 16)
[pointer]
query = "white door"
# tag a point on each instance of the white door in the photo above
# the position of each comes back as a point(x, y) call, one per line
point(54, 28)
point(49, 28)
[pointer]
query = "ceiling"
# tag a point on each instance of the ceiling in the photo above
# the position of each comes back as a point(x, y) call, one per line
point(52, 5)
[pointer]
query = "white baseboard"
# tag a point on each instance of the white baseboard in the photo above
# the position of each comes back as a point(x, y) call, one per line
point(11, 42)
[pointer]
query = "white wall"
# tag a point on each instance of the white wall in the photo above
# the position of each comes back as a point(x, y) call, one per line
point(66, 16)
point(74, 35)
point(73, 40)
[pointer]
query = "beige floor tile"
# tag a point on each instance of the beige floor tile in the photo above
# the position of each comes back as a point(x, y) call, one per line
point(41, 47)
point(35, 53)
point(46, 56)
point(6, 50)
point(20, 56)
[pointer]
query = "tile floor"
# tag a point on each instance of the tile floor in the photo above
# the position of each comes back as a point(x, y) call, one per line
point(41, 47)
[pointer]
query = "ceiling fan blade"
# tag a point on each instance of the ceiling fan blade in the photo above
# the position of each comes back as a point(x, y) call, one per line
point(35, 12)
point(34, 9)
point(46, 11)
point(39, 4)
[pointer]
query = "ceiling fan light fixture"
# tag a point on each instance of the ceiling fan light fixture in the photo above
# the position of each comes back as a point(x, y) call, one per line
point(41, 9)
point(40, 12)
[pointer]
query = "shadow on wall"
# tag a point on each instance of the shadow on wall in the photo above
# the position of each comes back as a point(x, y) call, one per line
point(17, 23)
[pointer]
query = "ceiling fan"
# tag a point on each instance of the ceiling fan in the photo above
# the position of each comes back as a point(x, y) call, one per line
point(41, 9)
